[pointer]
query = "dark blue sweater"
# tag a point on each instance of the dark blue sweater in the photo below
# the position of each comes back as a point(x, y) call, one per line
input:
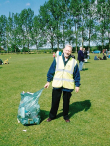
point(80, 56)
point(76, 74)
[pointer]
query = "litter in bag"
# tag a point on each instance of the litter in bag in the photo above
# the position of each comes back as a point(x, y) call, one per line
point(29, 109)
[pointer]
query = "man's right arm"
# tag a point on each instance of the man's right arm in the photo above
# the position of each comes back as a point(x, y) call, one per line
point(47, 85)
point(50, 73)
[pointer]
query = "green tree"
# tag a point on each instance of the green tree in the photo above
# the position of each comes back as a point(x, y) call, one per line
point(47, 23)
point(15, 33)
point(103, 27)
point(3, 22)
point(77, 22)
point(56, 16)
point(9, 28)
point(65, 22)
point(26, 20)
point(90, 21)
point(75, 14)
point(38, 35)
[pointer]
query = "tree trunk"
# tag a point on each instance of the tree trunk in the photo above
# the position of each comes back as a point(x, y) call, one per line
point(76, 35)
point(28, 45)
point(82, 39)
point(15, 48)
point(89, 38)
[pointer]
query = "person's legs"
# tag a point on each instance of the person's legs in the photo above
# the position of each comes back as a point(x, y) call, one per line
point(56, 95)
point(66, 101)
point(80, 65)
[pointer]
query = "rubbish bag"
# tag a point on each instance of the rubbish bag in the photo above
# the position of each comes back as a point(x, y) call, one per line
point(29, 109)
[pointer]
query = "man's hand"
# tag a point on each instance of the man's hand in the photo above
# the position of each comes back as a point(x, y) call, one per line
point(76, 89)
point(47, 85)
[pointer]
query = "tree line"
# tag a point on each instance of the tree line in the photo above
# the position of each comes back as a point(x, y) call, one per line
point(77, 22)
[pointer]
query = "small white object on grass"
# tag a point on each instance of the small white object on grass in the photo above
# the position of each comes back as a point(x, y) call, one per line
point(24, 130)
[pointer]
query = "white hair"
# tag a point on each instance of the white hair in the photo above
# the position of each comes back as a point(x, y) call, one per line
point(68, 46)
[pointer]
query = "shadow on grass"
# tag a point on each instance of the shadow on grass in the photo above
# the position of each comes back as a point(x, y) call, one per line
point(73, 109)
point(0, 67)
point(86, 62)
point(85, 69)
point(44, 115)
point(77, 107)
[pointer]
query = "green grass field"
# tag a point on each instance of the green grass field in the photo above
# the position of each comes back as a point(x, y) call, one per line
point(89, 109)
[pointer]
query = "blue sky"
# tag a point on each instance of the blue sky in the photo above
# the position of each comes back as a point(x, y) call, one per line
point(16, 6)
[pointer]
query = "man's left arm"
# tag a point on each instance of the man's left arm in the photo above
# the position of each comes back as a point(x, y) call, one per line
point(76, 76)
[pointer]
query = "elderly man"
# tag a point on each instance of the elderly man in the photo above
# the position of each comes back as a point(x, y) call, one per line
point(81, 58)
point(64, 74)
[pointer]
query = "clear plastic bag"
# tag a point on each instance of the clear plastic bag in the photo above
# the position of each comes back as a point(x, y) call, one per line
point(29, 109)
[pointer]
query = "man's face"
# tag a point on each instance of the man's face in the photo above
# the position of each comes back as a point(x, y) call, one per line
point(67, 51)
point(81, 48)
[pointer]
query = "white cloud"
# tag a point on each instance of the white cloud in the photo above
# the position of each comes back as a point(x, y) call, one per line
point(28, 4)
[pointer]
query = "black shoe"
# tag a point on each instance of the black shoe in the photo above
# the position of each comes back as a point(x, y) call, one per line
point(48, 120)
point(67, 121)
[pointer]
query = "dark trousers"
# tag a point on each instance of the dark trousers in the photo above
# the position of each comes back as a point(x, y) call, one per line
point(56, 95)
